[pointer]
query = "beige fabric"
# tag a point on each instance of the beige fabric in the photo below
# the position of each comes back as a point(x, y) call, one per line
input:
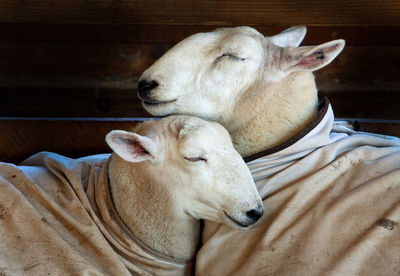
point(56, 218)
point(332, 207)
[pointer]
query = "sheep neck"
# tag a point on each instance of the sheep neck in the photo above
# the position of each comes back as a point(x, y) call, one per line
point(268, 115)
point(151, 213)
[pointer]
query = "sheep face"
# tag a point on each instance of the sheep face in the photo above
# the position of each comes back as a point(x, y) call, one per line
point(192, 163)
point(204, 72)
point(207, 73)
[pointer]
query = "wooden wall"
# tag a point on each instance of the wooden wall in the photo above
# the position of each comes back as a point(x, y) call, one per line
point(82, 58)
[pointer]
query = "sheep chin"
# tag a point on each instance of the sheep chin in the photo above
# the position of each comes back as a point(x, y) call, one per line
point(158, 108)
point(235, 223)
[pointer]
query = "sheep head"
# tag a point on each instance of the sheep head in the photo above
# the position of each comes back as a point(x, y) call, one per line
point(188, 161)
point(207, 73)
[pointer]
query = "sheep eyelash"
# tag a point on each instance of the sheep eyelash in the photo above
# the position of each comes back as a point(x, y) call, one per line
point(196, 159)
point(232, 56)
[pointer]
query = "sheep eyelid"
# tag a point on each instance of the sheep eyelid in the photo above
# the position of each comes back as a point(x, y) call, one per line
point(196, 159)
point(232, 56)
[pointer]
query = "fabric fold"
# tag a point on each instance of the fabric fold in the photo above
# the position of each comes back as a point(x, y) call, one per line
point(332, 207)
point(57, 218)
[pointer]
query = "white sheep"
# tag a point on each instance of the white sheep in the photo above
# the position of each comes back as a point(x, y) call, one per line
point(332, 195)
point(136, 211)
point(173, 172)
point(260, 88)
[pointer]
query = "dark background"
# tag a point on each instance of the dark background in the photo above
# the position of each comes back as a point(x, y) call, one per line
point(81, 58)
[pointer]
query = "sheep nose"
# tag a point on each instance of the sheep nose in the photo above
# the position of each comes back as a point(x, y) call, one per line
point(145, 87)
point(255, 214)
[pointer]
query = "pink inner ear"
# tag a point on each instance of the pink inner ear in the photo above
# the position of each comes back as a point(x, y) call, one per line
point(137, 148)
point(310, 61)
point(316, 58)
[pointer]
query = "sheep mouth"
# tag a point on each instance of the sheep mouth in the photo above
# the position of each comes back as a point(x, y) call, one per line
point(238, 223)
point(157, 103)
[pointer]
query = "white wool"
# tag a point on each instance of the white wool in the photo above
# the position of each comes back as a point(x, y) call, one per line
point(260, 88)
point(173, 172)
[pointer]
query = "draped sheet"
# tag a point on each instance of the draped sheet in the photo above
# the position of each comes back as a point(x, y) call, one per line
point(57, 218)
point(332, 207)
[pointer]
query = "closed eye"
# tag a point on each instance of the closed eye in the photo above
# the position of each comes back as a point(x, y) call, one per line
point(196, 159)
point(232, 56)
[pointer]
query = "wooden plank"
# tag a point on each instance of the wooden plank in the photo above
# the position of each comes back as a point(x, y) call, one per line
point(391, 128)
point(357, 67)
point(142, 33)
point(369, 64)
point(78, 58)
point(361, 69)
point(74, 138)
point(364, 104)
point(208, 12)
point(70, 102)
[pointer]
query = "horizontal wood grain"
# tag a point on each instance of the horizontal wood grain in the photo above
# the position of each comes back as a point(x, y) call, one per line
point(364, 104)
point(385, 127)
point(78, 58)
point(208, 12)
point(73, 138)
point(70, 102)
point(142, 33)
point(362, 68)
point(376, 67)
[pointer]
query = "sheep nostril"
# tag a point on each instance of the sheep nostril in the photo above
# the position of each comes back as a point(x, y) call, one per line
point(145, 86)
point(255, 214)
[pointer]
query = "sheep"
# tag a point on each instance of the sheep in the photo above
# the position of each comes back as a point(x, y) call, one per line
point(171, 173)
point(332, 195)
point(136, 211)
point(260, 88)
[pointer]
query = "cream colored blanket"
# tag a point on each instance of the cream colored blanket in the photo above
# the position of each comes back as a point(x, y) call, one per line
point(332, 207)
point(57, 218)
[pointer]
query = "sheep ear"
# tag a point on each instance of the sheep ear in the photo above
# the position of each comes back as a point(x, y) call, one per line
point(132, 147)
point(290, 37)
point(310, 58)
